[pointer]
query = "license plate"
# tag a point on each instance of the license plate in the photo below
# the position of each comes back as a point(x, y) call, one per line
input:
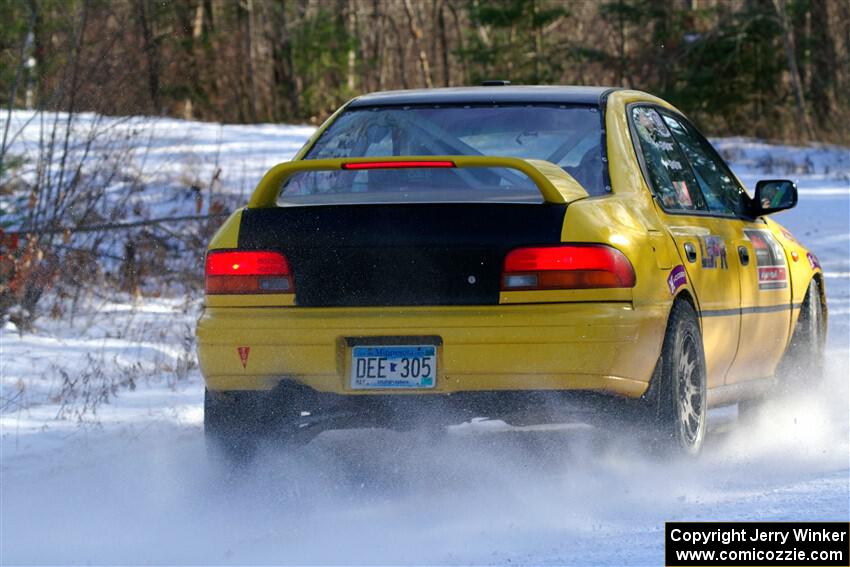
point(393, 366)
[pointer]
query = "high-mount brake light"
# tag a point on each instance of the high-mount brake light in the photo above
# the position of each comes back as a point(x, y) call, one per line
point(240, 272)
point(397, 164)
point(573, 266)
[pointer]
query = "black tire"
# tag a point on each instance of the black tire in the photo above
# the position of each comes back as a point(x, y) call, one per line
point(802, 365)
point(677, 408)
point(228, 420)
point(237, 423)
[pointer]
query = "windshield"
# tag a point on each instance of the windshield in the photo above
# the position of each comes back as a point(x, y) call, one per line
point(569, 136)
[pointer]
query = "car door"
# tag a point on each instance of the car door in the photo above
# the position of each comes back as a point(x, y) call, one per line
point(704, 240)
point(761, 261)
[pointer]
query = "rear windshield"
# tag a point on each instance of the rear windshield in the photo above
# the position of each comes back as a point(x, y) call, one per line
point(569, 136)
point(413, 185)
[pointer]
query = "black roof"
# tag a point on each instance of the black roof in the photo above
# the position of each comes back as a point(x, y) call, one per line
point(486, 95)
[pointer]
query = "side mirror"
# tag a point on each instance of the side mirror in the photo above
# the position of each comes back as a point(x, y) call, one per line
point(774, 195)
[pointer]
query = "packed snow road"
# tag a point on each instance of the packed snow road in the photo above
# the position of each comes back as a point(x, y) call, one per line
point(140, 491)
point(132, 484)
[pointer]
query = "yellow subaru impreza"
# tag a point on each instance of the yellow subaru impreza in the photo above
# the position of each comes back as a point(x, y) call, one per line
point(517, 253)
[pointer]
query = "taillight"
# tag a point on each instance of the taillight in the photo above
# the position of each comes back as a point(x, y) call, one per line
point(574, 266)
point(247, 272)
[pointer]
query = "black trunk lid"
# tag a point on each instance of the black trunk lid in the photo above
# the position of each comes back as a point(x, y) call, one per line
point(399, 254)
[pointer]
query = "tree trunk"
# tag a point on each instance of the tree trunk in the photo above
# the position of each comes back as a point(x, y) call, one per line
point(621, 44)
point(400, 53)
point(284, 64)
point(804, 128)
point(196, 62)
point(247, 10)
point(13, 88)
point(824, 64)
point(444, 44)
point(464, 68)
point(377, 34)
point(416, 33)
point(538, 40)
point(151, 51)
point(351, 66)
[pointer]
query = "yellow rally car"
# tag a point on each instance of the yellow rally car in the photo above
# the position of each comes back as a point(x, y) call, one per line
point(517, 253)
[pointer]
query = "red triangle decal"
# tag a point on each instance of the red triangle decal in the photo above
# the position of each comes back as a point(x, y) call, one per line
point(243, 355)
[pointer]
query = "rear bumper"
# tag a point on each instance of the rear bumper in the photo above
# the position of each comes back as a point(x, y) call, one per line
point(602, 347)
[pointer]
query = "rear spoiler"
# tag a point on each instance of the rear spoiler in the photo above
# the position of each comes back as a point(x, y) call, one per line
point(555, 184)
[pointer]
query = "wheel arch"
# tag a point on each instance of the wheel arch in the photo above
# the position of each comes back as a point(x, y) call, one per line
point(684, 295)
point(817, 276)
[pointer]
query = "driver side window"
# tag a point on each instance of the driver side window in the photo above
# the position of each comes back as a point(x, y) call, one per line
point(670, 176)
point(722, 192)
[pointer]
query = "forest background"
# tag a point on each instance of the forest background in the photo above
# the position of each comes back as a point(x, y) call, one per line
point(774, 69)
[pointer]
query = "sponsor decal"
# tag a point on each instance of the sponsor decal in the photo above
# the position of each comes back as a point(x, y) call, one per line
point(713, 251)
point(770, 260)
point(813, 260)
point(676, 279)
point(243, 355)
point(773, 277)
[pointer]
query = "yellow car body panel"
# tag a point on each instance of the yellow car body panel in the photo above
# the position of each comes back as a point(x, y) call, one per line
point(227, 236)
point(606, 340)
point(586, 346)
point(729, 359)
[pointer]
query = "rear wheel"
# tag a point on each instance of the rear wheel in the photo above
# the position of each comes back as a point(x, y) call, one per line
point(227, 428)
point(235, 423)
point(677, 410)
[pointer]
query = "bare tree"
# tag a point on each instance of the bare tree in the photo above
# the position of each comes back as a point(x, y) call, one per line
point(804, 126)
point(416, 35)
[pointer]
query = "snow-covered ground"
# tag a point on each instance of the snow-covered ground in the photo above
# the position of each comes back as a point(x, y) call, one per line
point(131, 484)
point(168, 153)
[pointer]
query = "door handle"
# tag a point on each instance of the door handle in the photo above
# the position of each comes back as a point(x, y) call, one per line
point(690, 252)
point(744, 255)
